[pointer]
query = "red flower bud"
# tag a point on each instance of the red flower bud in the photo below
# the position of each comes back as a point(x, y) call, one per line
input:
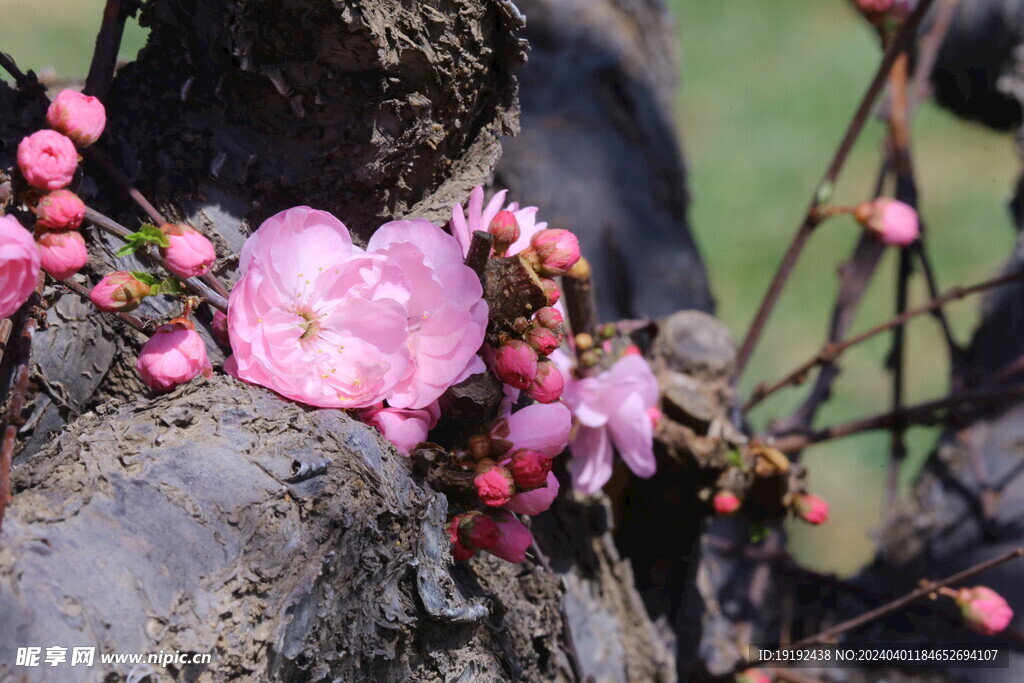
point(548, 385)
point(550, 318)
point(474, 530)
point(62, 254)
point(495, 487)
point(542, 339)
point(175, 354)
point(890, 221)
point(811, 508)
point(219, 326)
point(119, 291)
point(984, 610)
point(551, 290)
point(726, 503)
point(190, 253)
point(553, 252)
point(505, 229)
point(80, 117)
point(60, 210)
point(530, 468)
point(516, 364)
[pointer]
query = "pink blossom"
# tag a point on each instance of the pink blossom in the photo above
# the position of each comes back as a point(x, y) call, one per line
point(984, 610)
point(444, 306)
point(726, 503)
point(60, 210)
point(549, 384)
point(119, 291)
point(62, 254)
point(314, 318)
point(515, 538)
point(515, 363)
point(536, 501)
point(405, 428)
point(495, 486)
point(47, 159)
point(753, 676)
point(476, 216)
point(219, 327)
point(889, 220)
point(875, 5)
point(19, 265)
point(175, 354)
point(539, 427)
point(80, 117)
point(611, 409)
point(190, 253)
point(811, 508)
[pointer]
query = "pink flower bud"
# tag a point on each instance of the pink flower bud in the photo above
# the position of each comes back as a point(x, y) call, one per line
point(47, 159)
point(119, 291)
point(549, 384)
point(470, 532)
point(505, 229)
point(543, 340)
point(890, 221)
point(553, 252)
point(175, 354)
point(19, 265)
point(551, 290)
point(60, 210)
point(80, 117)
point(514, 541)
point(62, 254)
point(495, 487)
point(632, 350)
point(550, 318)
point(516, 364)
point(190, 253)
point(530, 468)
point(726, 503)
point(811, 508)
point(219, 326)
point(984, 610)
point(874, 6)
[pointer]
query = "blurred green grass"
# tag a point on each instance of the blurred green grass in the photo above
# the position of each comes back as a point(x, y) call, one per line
point(767, 90)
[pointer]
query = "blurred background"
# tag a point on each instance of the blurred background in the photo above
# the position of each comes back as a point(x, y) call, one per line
point(767, 90)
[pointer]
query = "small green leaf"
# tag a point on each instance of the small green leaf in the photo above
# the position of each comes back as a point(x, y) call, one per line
point(127, 249)
point(758, 532)
point(152, 234)
point(145, 277)
point(171, 286)
point(736, 460)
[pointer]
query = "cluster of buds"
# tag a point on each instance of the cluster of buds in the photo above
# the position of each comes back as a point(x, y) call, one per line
point(496, 483)
point(48, 161)
point(523, 363)
point(174, 355)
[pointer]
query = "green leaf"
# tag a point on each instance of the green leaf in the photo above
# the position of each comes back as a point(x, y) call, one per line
point(127, 249)
point(171, 286)
point(145, 277)
point(736, 460)
point(152, 234)
point(758, 532)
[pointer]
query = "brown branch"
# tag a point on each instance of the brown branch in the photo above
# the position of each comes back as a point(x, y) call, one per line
point(479, 252)
point(830, 352)
point(22, 371)
point(194, 285)
point(926, 589)
point(929, 51)
point(108, 45)
point(580, 304)
point(919, 414)
point(810, 222)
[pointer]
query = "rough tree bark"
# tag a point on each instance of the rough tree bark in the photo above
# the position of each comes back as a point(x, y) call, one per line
point(148, 524)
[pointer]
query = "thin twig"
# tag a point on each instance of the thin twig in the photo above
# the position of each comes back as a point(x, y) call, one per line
point(194, 285)
point(810, 222)
point(929, 52)
point(926, 589)
point(830, 352)
point(919, 414)
point(22, 371)
point(108, 46)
